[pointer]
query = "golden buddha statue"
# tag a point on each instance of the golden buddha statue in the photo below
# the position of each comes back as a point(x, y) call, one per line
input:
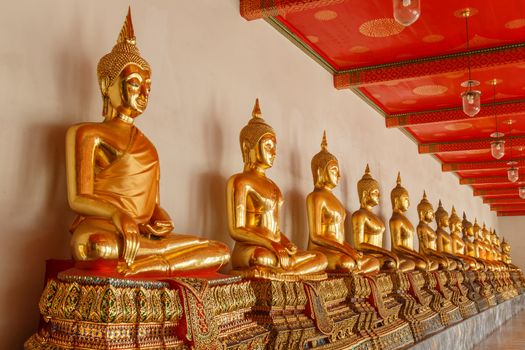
point(427, 236)
point(402, 231)
point(444, 241)
point(505, 250)
point(487, 243)
point(368, 228)
point(113, 180)
point(479, 241)
point(457, 243)
point(468, 238)
point(326, 218)
point(254, 202)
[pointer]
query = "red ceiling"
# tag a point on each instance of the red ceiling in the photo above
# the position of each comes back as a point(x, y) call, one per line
point(413, 74)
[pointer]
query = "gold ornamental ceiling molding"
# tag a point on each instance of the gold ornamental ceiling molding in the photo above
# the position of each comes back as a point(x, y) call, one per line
point(487, 165)
point(512, 200)
point(430, 66)
point(492, 180)
point(470, 145)
point(496, 192)
point(508, 207)
point(511, 213)
point(257, 9)
point(502, 108)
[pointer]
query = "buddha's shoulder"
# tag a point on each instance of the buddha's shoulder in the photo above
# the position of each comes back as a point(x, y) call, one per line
point(83, 130)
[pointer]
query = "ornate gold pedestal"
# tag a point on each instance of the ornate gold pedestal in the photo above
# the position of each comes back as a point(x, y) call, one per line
point(459, 295)
point(84, 312)
point(379, 312)
point(433, 284)
point(422, 319)
point(307, 314)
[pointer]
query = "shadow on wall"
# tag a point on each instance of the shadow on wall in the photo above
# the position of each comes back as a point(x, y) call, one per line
point(295, 202)
point(39, 235)
point(40, 215)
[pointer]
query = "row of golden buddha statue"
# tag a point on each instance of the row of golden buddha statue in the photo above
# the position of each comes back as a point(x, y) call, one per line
point(163, 288)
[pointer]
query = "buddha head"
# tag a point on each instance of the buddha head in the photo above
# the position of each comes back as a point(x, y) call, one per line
point(325, 167)
point(425, 209)
point(441, 215)
point(258, 142)
point(456, 226)
point(476, 229)
point(468, 228)
point(399, 196)
point(368, 190)
point(485, 234)
point(124, 77)
point(505, 247)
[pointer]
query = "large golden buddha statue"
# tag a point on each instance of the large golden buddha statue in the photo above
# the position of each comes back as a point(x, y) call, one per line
point(326, 219)
point(113, 180)
point(254, 202)
point(457, 242)
point(402, 231)
point(427, 236)
point(368, 228)
point(444, 241)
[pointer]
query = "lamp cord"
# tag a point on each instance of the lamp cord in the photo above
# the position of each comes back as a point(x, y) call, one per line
point(468, 50)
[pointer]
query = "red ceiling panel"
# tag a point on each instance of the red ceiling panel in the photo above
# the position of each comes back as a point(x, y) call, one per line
point(359, 33)
point(414, 74)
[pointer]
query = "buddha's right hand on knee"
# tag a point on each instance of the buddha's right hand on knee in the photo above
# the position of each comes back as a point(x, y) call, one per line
point(130, 234)
point(282, 255)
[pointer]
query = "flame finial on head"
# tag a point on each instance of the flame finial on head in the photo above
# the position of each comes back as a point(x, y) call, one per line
point(256, 112)
point(324, 143)
point(127, 33)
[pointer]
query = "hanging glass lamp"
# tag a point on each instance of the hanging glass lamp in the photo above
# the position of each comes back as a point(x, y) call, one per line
point(471, 98)
point(512, 172)
point(406, 12)
point(497, 147)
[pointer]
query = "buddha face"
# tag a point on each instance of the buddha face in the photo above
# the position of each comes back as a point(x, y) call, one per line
point(130, 91)
point(456, 226)
point(266, 151)
point(443, 221)
point(429, 215)
point(469, 231)
point(371, 197)
point(331, 174)
point(402, 202)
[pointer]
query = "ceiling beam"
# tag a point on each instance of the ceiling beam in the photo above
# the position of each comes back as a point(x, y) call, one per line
point(507, 109)
point(426, 67)
point(256, 9)
point(496, 191)
point(472, 166)
point(470, 145)
point(511, 213)
point(484, 180)
point(508, 207)
point(510, 200)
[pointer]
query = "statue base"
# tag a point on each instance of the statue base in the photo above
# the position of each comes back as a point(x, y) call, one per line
point(448, 312)
point(459, 294)
point(82, 310)
point(422, 319)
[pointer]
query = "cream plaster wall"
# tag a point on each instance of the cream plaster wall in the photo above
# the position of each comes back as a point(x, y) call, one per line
point(209, 64)
point(513, 230)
